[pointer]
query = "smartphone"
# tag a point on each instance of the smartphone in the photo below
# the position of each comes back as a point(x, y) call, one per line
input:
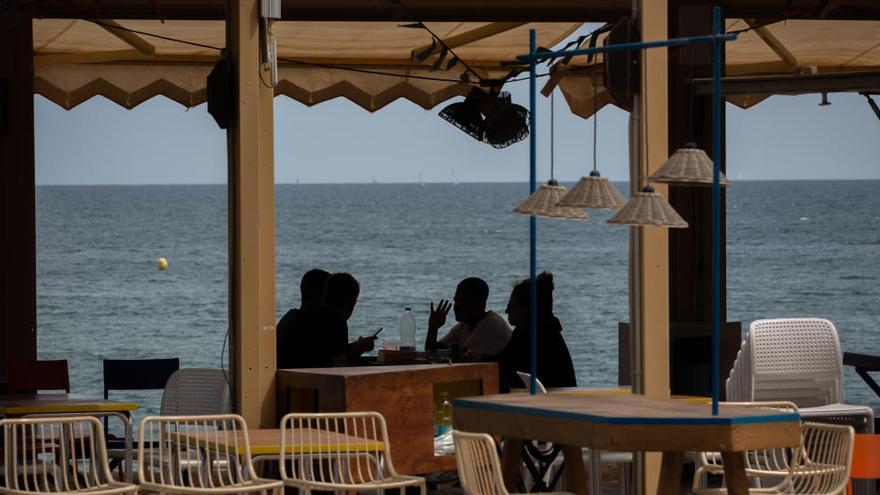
point(378, 330)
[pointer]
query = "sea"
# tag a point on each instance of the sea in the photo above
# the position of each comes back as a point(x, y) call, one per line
point(808, 248)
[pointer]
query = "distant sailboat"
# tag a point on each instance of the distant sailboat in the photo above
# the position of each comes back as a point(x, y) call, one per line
point(375, 181)
point(421, 181)
point(454, 179)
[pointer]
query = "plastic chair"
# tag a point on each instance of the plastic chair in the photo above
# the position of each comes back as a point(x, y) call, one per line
point(592, 458)
point(797, 360)
point(57, 455)
point(198, 454)
point(196, 391)
point(29, 377)
point(760, 464)
point(866, 459)
point(479, 468)
point(339, 452)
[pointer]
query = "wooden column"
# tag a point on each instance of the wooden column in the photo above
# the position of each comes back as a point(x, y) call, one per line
point(251, 221)
point(690, 119)
point(18, 247)
point(650, 245)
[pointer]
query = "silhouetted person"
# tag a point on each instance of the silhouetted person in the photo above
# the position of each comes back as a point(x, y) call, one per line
point(341, 295)
point(479, 334)
point(297, 332)
point(554, 366)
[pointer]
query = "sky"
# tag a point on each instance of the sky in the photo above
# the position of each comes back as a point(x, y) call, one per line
point(162, 142)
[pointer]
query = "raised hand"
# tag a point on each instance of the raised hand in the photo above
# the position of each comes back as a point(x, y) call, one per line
point(437, 317)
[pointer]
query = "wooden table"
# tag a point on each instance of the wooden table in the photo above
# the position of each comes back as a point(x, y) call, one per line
point(404, 395)
point(627, 423)
point(268, 441)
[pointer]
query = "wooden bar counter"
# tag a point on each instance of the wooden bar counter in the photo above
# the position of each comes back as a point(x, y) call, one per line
point(405, 395)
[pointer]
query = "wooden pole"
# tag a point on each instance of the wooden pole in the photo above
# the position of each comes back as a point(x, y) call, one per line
point(650, 245)
point(18, 247)
point(252, 222)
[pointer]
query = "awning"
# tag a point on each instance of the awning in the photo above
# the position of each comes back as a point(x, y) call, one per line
point(370, 63)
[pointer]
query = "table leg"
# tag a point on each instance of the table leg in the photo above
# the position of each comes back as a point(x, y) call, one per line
point(670, 473)
point(735, 473)
point(510, 463)
point(575, 471)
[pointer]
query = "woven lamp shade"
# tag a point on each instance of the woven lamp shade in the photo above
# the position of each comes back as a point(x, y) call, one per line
point(543, 203)
point(595, 192)
point(648, 209)
point(688, 166)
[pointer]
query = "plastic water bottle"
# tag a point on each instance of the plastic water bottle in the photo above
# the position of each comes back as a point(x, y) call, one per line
point(407, 330)
point(442, 415)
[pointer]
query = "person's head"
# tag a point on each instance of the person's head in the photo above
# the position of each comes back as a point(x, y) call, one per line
point(311, 287)
point(470, 300)
point(341, 293)
point(518, 304)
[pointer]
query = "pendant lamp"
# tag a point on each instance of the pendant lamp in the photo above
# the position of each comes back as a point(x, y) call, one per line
point(544, 201)
point(594, 191)
point(648, 208)
point(688, 166)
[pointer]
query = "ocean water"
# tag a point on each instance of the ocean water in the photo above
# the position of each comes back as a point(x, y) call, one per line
point(794, 249)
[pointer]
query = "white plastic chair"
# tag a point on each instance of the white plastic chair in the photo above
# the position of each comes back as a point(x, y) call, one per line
point(339, 452)
point(594, 459)
point(57, 455)
point(821, 466)
point(797, 360)
point(196, 391)
point(198, 455)
point(479, 468)
point(761, 465)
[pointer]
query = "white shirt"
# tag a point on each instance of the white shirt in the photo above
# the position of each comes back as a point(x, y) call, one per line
point(488, 338)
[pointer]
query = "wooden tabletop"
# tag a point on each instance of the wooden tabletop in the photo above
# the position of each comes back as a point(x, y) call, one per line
point(375, 370)
point(626, 422)
point(17, 405)
point(268, 441)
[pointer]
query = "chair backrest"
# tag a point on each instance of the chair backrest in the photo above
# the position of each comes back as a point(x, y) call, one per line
point(339, 450)
point(29, 376)
point(54, 454)
point(526, 378)
point(137, 374)
point(795, 359)
point(479, 469)
point(196, 391)
point(211, 452)
point(825, 461)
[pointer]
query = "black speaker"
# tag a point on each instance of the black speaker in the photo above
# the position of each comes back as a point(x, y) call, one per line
point(221, 93)
point(622, 68)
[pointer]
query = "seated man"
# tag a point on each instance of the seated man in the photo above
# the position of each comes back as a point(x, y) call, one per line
point(316, 334)
point(479, 334)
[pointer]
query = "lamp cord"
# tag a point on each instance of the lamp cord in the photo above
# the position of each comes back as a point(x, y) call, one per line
point(691, 99)
point(644, 91)
point(595, 120)
point(552, 134)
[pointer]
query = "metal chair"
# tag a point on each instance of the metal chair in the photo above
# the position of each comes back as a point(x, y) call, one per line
point(764, 464)
point(479, 468)
point(57, 455)
point(198, 455)
point(196, 391)
point(820, 466)
point(132, 374)
point(29, 377)
point(339, 452)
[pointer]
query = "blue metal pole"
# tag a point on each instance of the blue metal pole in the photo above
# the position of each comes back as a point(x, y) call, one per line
point(533, 224)
point(717, 47)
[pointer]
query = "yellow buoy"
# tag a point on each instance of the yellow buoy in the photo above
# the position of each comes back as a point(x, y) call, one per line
point(162, 264)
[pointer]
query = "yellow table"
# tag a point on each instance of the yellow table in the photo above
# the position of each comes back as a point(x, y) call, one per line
point(12, 406)
point(24, 404)
point(268, 441)
point(628, 423)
